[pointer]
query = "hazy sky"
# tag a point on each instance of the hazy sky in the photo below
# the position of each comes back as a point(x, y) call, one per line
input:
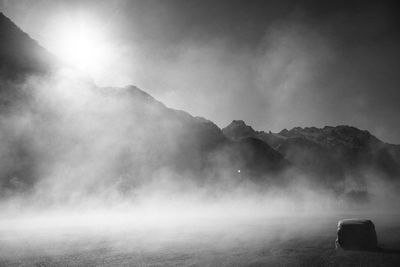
point(274, 64)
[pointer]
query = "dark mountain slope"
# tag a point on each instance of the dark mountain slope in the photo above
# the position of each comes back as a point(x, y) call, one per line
point(330, 154)
point(356, 149)
point(66, 132)
point(20, 54)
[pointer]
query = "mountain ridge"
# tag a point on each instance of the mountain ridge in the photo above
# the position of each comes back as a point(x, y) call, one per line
point(333, 152)
point(133, 136)
point(20, 54)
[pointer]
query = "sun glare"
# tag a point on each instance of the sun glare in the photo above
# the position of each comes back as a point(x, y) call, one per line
point(80, 43)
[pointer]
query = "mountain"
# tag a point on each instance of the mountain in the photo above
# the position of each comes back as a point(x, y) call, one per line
point(20, 54)
point(238, 129)
point(63, 131)
point(331, 154)
point(355, 149)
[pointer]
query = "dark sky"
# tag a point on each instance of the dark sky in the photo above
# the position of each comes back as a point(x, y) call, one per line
point(274, 64)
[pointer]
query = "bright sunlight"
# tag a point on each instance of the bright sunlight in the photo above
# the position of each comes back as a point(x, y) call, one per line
point(80, 43)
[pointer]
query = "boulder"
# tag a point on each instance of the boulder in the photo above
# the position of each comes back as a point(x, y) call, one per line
point(356, 234)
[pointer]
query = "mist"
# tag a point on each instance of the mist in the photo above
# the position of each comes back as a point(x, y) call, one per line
point(292, 64)
point(132, 160)
point(84, 149)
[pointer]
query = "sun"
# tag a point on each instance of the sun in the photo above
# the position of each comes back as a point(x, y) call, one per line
point(80, 43)
point(78, 46)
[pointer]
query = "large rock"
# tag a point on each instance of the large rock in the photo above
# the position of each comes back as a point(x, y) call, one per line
point(356, 234)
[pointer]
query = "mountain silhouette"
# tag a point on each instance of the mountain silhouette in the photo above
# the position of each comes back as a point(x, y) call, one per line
point(20, 54)
point(331, 154)
point(69, 123)
point(88, 131)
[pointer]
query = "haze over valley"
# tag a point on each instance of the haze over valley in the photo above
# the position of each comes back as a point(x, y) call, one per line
point(110, 175)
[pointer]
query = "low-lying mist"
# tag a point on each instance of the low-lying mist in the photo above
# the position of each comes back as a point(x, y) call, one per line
point(75, 155)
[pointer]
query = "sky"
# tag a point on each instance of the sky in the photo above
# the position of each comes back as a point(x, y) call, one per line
point(273, 64)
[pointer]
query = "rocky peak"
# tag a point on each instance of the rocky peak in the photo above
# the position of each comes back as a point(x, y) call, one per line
point(333, 136)
point(238, 129)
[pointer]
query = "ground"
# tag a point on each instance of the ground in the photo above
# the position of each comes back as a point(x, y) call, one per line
point(278, 241)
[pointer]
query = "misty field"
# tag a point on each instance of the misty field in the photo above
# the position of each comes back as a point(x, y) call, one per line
point(259, 241)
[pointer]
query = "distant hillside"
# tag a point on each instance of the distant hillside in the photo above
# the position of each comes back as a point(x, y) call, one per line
point(65, 132)
point(92, 137)
point(332, 154)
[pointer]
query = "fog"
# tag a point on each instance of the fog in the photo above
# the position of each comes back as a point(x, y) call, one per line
point(94, 175)
point(273, 64)
point(69, 146)
point(94, 171)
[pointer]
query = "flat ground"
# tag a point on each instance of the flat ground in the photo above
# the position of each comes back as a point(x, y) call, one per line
point(300, 241)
